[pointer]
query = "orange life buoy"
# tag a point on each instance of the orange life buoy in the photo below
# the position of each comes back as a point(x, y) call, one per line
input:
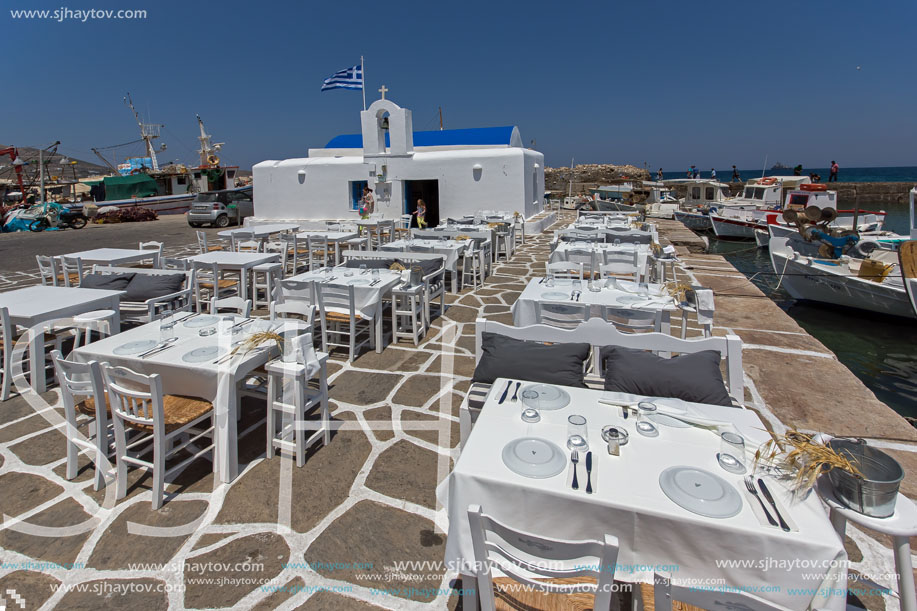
point(767, 181)
point(815, 186)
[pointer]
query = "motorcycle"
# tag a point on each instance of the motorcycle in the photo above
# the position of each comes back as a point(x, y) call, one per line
point(61, 218)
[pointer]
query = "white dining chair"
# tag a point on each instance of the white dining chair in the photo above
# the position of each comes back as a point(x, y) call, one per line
point(47, 269)
point(561, 314)
point(71, 271)
point(137, 402)
point(565, 270)
point(547, 568)
point(633, 320)
point(208, 283)
point(234, 304)
point(666, 593)
point(340, 321)
point(82, 392)
point(155, 249)
point(203, 246)
point(621, 264)
point(244, 241)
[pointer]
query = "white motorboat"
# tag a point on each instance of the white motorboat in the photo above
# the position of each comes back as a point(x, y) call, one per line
point(748, 211)
point(661, 202)
point(701, 196)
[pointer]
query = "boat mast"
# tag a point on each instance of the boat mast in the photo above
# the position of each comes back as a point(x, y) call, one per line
point(208, 151)
point(148, 132)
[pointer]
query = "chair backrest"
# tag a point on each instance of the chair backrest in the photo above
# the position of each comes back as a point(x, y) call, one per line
point(566, 315)
point(520, 555)
point(134, 397)
point(71, 266)
point(564, 269)
point(151, 246)
point(244, 241)
point(47, 268)
point(335, 298)
point(242, 307)
point(292, 309)
point(621, 264)
point(201, 241)
point(665, 593)
point(633, 321)
point(175, 263)
point(79, 381)
point(599, 334)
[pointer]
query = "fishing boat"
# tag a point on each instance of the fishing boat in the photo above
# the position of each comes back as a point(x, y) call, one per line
point(701, 196)
point(660, 200)
point(614, 198)
point(746, 212)
point(829, 267)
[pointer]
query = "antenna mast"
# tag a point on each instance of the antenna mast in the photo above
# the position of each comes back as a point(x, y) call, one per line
point(148, 131)
point(208, 151)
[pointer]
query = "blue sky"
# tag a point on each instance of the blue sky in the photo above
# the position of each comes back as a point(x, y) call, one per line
point(667, 83)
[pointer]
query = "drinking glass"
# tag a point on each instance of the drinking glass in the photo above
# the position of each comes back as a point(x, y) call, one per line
point(732, 452)
point(577, 285)
point(644, 289)
point(549, 281)
point(362, 268)
point(375, 274)
point(166, 326)
point(645, 412)
point(576, 433)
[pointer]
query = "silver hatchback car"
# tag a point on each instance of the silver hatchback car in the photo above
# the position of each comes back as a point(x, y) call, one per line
point(221, 208)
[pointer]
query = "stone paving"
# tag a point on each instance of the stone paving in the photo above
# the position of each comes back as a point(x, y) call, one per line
point(326, 535)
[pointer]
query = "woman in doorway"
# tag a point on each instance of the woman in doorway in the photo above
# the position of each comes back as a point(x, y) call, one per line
point(367, 203)
point(421, 213)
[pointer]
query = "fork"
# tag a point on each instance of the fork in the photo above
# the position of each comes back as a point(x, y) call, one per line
point(516, 392)
point(750, 484)
point(574, 458)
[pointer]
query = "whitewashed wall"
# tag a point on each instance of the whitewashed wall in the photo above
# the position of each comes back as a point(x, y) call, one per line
point(509, 179)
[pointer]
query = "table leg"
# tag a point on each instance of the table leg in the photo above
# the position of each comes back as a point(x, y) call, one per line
point(469, 592)
point(454, 274)
point(243, 283)
point(116, 320)
point(37, 361)
point(379, 328)
point(227, 433)
point(906, 593)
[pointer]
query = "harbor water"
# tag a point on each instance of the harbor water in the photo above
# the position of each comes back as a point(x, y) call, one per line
point(880, 350)
point(879, 174)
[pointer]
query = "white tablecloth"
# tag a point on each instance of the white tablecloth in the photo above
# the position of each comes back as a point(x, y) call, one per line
point(450, 249)
point(368, 299)
point(114, 256)
point(561, 249)
point(214, 382)
point(524, 308)
point(628, 503)
point(260, 231)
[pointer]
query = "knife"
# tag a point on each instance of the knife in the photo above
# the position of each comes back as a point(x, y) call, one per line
point(770, 499)
point(505, 392)
point(589, 472)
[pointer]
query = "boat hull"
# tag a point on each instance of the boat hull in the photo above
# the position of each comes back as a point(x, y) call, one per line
point(166, 204)
point(762, 238)
point(693, 220)
point(725, 227)
point(814, 279)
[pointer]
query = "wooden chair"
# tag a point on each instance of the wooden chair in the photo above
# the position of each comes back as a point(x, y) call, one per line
point(290, 397)
point(297, 253)
point(564, 315)
point(540, 564)
point(208, 284)
point(155, 249)
point(47, 269)
point(588, 259)
point(703, 309)
point(137, 402)
point(70, 271)
point(234, 304)
point(339, 319)
point(175, 263)
point(434, 287)
point(202, 245)
point(474, 265)
point(244, 241)
point(564, 270)
point(82, 390)
point(621, 264)
point(666, 596)
point(319, 254)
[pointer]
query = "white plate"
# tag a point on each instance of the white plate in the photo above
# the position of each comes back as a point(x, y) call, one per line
point(630, 298)
point(199, 355)
point(700, 492)
point(556, 296)
point(546, 397)
point(204, 320)
point(534, 457)
point(358, 281)
point(135, 347)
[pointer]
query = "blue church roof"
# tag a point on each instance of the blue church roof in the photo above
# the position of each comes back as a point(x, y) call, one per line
point(480, 136)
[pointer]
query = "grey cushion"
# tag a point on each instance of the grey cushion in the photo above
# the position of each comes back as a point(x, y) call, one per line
point(147, 286)
point(427, 267)
point(111, 282)
point(370, 263)
point(505, 357)
point(691, 377)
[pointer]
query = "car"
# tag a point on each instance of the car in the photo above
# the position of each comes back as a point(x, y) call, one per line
point(221, 208)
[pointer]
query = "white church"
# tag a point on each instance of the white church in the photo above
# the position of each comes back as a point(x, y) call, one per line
point(456, 172)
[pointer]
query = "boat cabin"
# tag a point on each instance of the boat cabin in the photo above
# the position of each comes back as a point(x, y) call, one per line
point(614, 193)
point(699, 192)
point(768, 192)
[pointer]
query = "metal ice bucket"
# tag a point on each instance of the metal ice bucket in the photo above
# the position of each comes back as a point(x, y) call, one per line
point(874, 494)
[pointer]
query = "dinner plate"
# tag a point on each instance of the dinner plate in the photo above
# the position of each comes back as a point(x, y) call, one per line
point(556, 296)
point(360, 281)
point(204, 320)
point(199, 355)
point(534, 457)
point(135, 347)
point(700, 492)
point(630, 298)
point(544, 396)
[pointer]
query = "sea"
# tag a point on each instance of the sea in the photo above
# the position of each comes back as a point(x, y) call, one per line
point(900, 174)
point(880, 350)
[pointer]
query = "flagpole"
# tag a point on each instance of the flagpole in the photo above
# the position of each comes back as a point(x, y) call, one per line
point(363, 86)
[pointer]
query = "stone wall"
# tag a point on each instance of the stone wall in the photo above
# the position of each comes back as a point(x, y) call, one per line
point(590, 175)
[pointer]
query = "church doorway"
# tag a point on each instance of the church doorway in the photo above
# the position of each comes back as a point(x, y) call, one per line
point(428, 191)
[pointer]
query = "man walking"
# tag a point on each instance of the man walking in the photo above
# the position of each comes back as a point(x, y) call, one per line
point(833, 175)
point(735, 175)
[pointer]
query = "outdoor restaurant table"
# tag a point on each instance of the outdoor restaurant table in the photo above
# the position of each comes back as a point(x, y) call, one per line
point(453, 231)
point(333, 237)
point(36, 304)
point(236, 261)
point(214, 382)
point(628, 502)
point(115, 256)
point(562, 249)
point(452, 250)
point(260, 231)
point(621, 296)
point(367, 299)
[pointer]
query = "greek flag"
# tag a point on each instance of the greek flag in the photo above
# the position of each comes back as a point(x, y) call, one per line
point(351, 78)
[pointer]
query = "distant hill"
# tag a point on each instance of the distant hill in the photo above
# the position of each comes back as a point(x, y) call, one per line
point(81, 169)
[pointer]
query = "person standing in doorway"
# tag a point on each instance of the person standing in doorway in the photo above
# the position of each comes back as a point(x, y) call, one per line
point(367, 203)
point(833, 175)
point(735, 175)
point(421, 213)
point(712, 173)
